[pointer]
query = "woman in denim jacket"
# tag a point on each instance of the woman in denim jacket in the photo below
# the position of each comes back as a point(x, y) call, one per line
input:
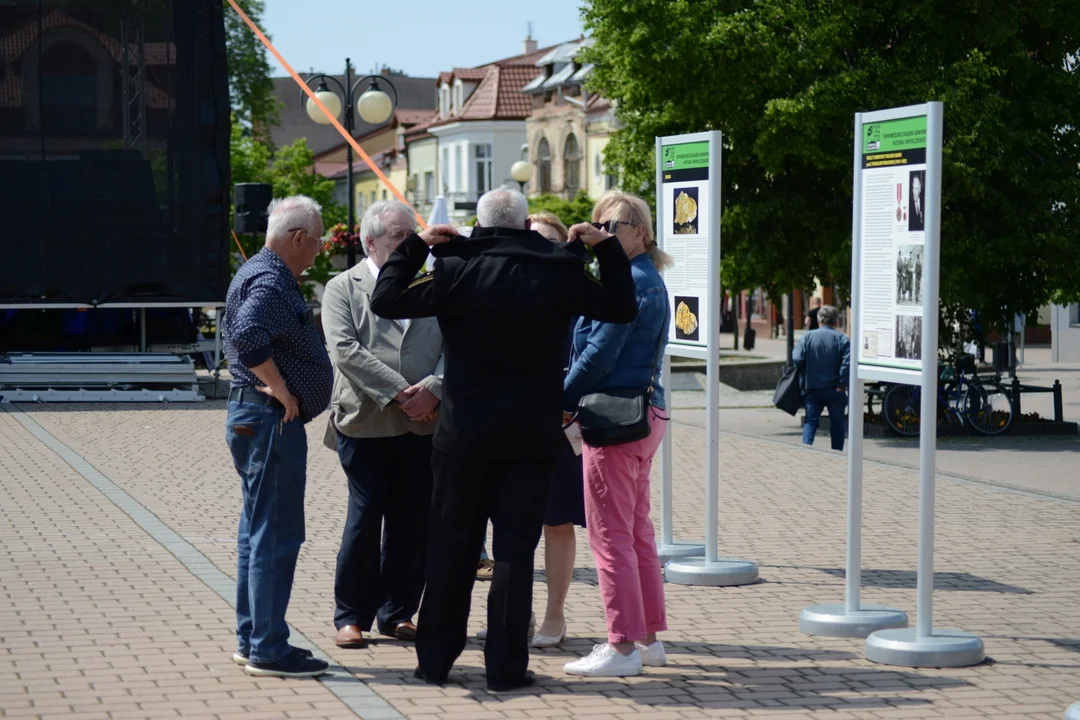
point(607, 356)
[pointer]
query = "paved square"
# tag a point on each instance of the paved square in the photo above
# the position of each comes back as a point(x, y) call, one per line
point(115, 575)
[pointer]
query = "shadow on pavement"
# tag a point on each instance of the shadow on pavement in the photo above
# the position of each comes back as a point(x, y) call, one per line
point(712, 685)
point(908, 579)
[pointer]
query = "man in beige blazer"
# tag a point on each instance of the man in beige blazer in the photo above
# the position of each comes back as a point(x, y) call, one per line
point(387, 388)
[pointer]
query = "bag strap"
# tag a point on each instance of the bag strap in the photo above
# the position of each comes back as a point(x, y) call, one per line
point(659, 346)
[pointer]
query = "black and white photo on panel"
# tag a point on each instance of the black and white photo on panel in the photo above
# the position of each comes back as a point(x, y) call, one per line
point(917, 200)
point(909, 270)
point(908, 337)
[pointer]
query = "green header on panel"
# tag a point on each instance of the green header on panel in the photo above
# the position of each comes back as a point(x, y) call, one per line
point(686, 156)
point(894, 135)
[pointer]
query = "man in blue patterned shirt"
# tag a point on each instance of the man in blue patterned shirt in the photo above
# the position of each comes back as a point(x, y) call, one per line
point(282, 378)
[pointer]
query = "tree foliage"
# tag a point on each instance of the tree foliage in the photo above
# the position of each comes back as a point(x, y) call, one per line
point(289, 169)
point(782, 80)
point(577, 210)
point(251, 91)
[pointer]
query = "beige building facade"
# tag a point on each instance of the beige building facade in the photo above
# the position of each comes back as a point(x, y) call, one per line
point(568, 129)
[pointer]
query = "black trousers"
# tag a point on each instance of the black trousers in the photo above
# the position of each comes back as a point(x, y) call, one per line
point(389, 492)
point(467, 492)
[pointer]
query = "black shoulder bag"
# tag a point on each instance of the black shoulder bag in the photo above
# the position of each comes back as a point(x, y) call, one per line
point(620, 415)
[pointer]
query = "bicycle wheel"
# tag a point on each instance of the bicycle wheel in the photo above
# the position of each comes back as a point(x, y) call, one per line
point(901, 408)
point(988, 408)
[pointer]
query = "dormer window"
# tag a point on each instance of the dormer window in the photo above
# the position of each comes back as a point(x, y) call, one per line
point(459, 96)
point(444, 100)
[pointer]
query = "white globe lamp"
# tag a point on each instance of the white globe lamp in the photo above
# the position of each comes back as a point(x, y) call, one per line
point(329, 99)
point(521, 171)
point(374, 106)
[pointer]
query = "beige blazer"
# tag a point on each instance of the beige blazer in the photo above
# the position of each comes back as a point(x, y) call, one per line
point(374, 360)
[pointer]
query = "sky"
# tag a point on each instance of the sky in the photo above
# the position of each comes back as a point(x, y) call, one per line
point(421, 37)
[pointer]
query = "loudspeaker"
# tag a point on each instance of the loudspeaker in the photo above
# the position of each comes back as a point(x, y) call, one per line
point(251, 200)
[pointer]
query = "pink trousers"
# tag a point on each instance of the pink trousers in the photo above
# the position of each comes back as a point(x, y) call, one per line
point(621, 534)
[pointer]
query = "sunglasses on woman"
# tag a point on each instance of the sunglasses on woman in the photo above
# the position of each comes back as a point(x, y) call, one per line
point(611, 226)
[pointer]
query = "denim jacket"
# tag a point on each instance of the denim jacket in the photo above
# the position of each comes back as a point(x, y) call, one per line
point(823, 357)
point(606, 356)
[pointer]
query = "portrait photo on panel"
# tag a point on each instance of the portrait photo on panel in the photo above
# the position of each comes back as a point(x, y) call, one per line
point(917, 200)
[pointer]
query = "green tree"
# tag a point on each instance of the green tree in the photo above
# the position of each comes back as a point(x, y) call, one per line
point(782, 80)
point(251, 91)
point(576, 210)
point(290, 170)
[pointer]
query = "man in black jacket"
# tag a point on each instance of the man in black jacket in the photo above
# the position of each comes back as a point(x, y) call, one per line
point(504, 299)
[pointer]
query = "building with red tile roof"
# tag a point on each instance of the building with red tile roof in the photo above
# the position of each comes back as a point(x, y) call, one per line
point(477, 133)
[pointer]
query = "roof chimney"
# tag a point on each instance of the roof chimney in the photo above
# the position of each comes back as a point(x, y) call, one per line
point(530, 44)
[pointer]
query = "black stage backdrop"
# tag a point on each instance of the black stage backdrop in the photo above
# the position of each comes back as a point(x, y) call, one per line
point(114, 152)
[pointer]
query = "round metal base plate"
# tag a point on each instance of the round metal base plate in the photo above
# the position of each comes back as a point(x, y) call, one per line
point(834, 621)
point(725, 572)
point(679, 549)
point(1073, 713)
point(944, 648)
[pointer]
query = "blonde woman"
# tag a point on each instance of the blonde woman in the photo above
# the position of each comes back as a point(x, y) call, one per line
point(607, 356)
point(566, 500)
point(549, 225)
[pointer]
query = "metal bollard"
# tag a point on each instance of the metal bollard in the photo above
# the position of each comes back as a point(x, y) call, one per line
point(1016, 397)
point(1058, 413)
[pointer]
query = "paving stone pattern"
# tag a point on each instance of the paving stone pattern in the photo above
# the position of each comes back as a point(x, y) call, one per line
point(97, 619)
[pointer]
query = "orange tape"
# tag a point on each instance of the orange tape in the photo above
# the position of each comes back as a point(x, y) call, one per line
point(319, 104)
point(238, 245)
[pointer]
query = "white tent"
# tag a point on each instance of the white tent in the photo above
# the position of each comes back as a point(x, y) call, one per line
point(439, 216)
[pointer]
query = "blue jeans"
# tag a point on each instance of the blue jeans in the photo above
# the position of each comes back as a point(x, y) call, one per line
point(271, 459)
point(816, 401)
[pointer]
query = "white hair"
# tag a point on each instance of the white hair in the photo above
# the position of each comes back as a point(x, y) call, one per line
point(293, 212)
point(502, 208)
point(373, 224)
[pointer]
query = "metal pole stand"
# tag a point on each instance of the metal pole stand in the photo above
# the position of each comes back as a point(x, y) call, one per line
point(668, 548)
point(712, 570)
point(924, 646)
point(852, 618)
point(1073, 713)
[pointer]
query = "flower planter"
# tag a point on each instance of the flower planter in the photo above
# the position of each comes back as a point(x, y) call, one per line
point(339, 261)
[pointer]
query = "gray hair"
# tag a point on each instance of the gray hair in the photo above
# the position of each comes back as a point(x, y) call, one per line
point(373, 224)
point(828, 315)
point(290, 213)
point(502, 208)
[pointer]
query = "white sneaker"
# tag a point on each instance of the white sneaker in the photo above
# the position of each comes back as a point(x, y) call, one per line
point(606, 661)
point(481, 634)
point(652, 655)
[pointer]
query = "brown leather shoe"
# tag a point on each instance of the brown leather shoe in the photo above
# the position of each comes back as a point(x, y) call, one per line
point(485, 570)
point(349, 637)
point(402, 631)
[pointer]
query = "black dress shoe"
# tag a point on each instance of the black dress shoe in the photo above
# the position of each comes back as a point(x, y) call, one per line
point(526, 680)
point(419, 674)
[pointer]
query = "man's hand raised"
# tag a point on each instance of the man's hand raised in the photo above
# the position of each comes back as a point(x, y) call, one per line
point(438, 234)
point(588, 234)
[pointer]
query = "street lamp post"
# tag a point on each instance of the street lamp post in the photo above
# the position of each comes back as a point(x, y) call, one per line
point(374, 106)
point(521, 171)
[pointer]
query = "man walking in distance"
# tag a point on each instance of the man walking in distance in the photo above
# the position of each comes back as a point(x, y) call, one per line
point(386, 393)
point(504, 299)
point(282, 378)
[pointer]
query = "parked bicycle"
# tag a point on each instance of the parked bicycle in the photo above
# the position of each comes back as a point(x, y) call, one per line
point(964, 397)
